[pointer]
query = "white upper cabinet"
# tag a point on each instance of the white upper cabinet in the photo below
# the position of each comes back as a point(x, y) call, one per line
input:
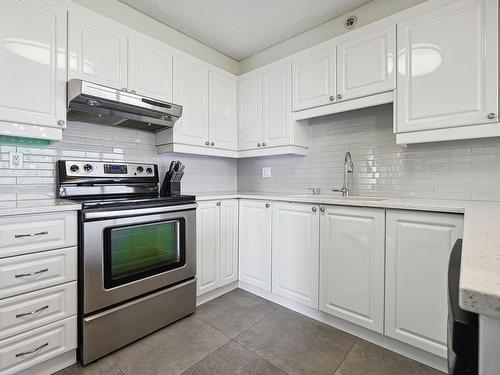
point(255, 243)
point(276, 107)
point(191, 91)
point(366, 64)
point(33, 63)
point(207, 246)
point(418, 247)
point(97, 51)
point(352, 264)
point(250, 112)
point(447, 67)
point(149, 68)
point(295, 252)
point(222, 109)
point(314, 80)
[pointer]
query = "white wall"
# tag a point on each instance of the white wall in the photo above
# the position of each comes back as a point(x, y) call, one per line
point(368, 13)
point(443, 170)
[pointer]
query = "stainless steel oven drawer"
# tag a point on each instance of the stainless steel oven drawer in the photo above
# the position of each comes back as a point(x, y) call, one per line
point(104, 332)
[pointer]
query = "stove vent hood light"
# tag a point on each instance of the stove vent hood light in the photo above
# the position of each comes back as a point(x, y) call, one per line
point(98, 104)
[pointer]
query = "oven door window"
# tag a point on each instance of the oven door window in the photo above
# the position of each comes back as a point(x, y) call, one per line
point(137, 251)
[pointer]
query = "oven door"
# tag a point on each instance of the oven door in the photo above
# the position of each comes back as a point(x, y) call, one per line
point(127, 253)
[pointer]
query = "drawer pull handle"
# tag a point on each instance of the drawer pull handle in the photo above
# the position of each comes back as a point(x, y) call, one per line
point(31, 234)
point(32, 350)
point(33, 312)
point(31, 274)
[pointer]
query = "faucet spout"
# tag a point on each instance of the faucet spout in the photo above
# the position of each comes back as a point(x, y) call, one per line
point(348, 169)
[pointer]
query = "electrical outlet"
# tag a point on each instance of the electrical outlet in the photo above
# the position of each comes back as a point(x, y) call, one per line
point(266, 172)
point(15, 160)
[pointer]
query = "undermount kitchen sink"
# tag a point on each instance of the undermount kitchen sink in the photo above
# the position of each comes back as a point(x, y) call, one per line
point(322, 197)
point(369, 199)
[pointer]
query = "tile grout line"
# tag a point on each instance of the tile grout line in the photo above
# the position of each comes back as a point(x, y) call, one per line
point(343, 359)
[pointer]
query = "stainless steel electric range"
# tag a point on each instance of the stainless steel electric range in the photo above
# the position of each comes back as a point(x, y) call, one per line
point(137, 253)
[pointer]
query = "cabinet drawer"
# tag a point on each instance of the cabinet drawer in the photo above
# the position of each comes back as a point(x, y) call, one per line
point(26, 273)
point(31, 310)
point(28, 349)
point(31, 233)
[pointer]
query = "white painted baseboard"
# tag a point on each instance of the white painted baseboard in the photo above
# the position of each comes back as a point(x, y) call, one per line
point(204, 298)
point(363, 333)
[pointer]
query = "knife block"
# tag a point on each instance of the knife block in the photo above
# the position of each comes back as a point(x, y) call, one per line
point(170, 189)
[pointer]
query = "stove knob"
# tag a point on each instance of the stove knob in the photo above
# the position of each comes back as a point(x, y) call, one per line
point(140, 169)
point(74, 168)
point(149, 170)
point(88, 167)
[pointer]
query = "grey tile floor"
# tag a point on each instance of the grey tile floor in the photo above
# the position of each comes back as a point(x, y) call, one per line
point(240, 333)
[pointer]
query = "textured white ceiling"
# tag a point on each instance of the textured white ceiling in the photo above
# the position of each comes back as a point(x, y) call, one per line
point(240, 28)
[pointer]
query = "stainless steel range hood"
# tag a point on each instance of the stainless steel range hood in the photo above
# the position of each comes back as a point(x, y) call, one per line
point(97, 104)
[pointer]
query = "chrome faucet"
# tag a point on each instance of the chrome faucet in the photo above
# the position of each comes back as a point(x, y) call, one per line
point(348, 169)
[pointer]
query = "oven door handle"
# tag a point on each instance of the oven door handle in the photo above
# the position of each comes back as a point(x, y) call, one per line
point(138, 211)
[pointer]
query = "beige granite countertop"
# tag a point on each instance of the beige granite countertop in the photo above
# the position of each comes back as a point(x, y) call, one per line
point(480, 270)
point(21, 207)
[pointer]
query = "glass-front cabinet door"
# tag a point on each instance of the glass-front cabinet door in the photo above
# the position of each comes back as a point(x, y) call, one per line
point(134, 252)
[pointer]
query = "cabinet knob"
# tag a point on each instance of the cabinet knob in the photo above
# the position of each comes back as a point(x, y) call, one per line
point(258, 144)
point(492, 115)
point(264, 144)
point(124, 89)
point(332, 98)
point(61, 122)
point(212, 144)
point(207, 143)
point(314, 209)
point(267, 205)
point(339, 96)
point(218, 203)
point(133, 91)
point(322, 209)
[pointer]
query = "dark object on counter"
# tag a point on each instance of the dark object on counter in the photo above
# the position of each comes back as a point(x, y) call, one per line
point(463, 331)
point(171, 185)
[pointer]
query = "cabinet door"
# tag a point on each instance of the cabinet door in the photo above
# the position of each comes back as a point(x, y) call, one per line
point(255, 243)
point(418, 247)
point(207, 246)
point(32, 62)
point(191, 91)
point(277, 106)
point(295, 249)
point(366, 64)
point(222, 120)
point(447, 67)
point(97, 51)
point(352, 265)
point(149, 68)
point(250, 112)
point(314, 80)
point(228, 241)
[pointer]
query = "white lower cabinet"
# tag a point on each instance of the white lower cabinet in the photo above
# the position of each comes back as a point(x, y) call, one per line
point(417, 253)
point(216, 244)
point(351, 280)
point(295, 252)
point(255, 243)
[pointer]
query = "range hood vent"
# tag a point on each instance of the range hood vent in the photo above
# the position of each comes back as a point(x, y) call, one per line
point(98, 104)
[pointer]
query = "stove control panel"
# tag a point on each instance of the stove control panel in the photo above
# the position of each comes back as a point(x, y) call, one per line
point(107, 169)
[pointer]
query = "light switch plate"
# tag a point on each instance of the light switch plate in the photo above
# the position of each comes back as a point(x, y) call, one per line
point(15, 160)
point(266, 172)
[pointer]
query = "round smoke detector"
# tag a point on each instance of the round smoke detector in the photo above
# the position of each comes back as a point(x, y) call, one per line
point(350, 22)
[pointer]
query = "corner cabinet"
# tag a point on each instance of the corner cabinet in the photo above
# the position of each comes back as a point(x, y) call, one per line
point(255, 243)
point(295, 252)
point(448, 72)
point(265, 117)
point(417, 253)
point(33, 67)
point(216, 244)
point(351, 280)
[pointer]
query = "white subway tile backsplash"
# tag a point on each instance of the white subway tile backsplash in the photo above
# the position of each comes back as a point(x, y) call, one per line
point(468, 169)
